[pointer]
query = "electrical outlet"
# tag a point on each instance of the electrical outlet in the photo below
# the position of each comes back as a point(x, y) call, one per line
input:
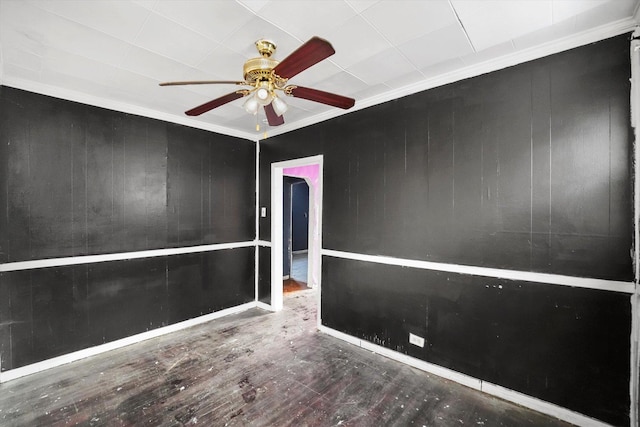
point(416, 340)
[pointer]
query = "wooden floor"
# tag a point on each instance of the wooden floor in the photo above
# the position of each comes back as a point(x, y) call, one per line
point(255, 368)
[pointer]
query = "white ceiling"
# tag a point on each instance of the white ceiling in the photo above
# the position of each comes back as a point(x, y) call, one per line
point(113, 53)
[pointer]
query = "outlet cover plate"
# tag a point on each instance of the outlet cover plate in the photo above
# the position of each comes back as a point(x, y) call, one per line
point(416, 340)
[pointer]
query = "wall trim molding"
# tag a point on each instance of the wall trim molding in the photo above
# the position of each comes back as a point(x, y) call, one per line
point(634, 383)
point(123, 107)
point(528, 276)
point(123, 342)
point(264, 306)
point(471, 382)
point(256, 260)
point(566, 43)
point(121, 256)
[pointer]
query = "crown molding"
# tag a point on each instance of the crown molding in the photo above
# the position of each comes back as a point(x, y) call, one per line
point(570, 42)
point(96, 101)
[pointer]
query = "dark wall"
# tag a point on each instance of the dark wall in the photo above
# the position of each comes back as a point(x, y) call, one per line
point(264, 274)
point(295, 219)
point(287, 236)
point(300, 216)
point(58, 310)
point(81, 180)
point(563, 345)
point(527, 168)
point(85, 180)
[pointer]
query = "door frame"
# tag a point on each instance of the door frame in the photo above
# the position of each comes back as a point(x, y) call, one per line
point(315, 227)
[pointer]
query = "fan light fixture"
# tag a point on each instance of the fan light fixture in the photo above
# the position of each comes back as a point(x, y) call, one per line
point(263, 97)
point(251, 105)
point(279, 106)
point(264, 76)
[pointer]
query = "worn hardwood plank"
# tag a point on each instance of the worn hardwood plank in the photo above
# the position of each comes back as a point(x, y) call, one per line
point(254, 368)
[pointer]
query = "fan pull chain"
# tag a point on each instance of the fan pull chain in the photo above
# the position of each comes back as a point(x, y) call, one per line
point(257, 123)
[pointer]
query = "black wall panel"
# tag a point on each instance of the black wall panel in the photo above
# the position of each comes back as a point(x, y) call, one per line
point(525, 168)
point(126, 298)
point(58, 310)
point(264, 274)
point(85, 180)
point(202, 283)
point(211, 188)
point(551, 342)
point(81, 180)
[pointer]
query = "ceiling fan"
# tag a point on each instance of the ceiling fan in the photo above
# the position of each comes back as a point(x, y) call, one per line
point(265, 76)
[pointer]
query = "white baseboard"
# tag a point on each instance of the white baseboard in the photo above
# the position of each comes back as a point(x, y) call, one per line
point(471, 382)
point(103, 348)
point(264, 306)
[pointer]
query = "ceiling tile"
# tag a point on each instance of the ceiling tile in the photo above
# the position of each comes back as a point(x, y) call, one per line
point(76, 66)
point(50, 30)
point(158, 67)
point(491, 22)
point(244, 38)
point(354, 41)
point(13, 70)
point(256, 5)
point(321, 71)
point(247, 123)
point(370, 92)
point(382, 67)
point(121, 19)
point(438, 46)
point(403, 80)
point(133, 83)
point(224, 64)
point(610, 12)
point(307, 18)
point(564, 9)
point(361, 5)
point(444, 67)
point(400, 21)
point(490, 53)
point(202, 16)
point(342, 84)
point(148, 4)
point(22, 59)
point(561, 29)
point(183, 45)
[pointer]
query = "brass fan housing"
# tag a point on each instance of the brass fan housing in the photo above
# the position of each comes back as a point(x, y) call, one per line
point(261, 68)
point(265, 47)
point(257, 69)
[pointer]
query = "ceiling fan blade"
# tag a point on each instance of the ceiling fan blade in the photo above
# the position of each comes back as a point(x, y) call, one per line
point(216, 103)
point(310, 53)
point(203, 82)
point(272, 117)
point(320, 96)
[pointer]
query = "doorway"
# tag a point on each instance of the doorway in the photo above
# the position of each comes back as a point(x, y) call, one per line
point(295, 230)
point(309, 168)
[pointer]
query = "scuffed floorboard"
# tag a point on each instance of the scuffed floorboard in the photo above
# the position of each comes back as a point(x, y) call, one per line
point(255, 368)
